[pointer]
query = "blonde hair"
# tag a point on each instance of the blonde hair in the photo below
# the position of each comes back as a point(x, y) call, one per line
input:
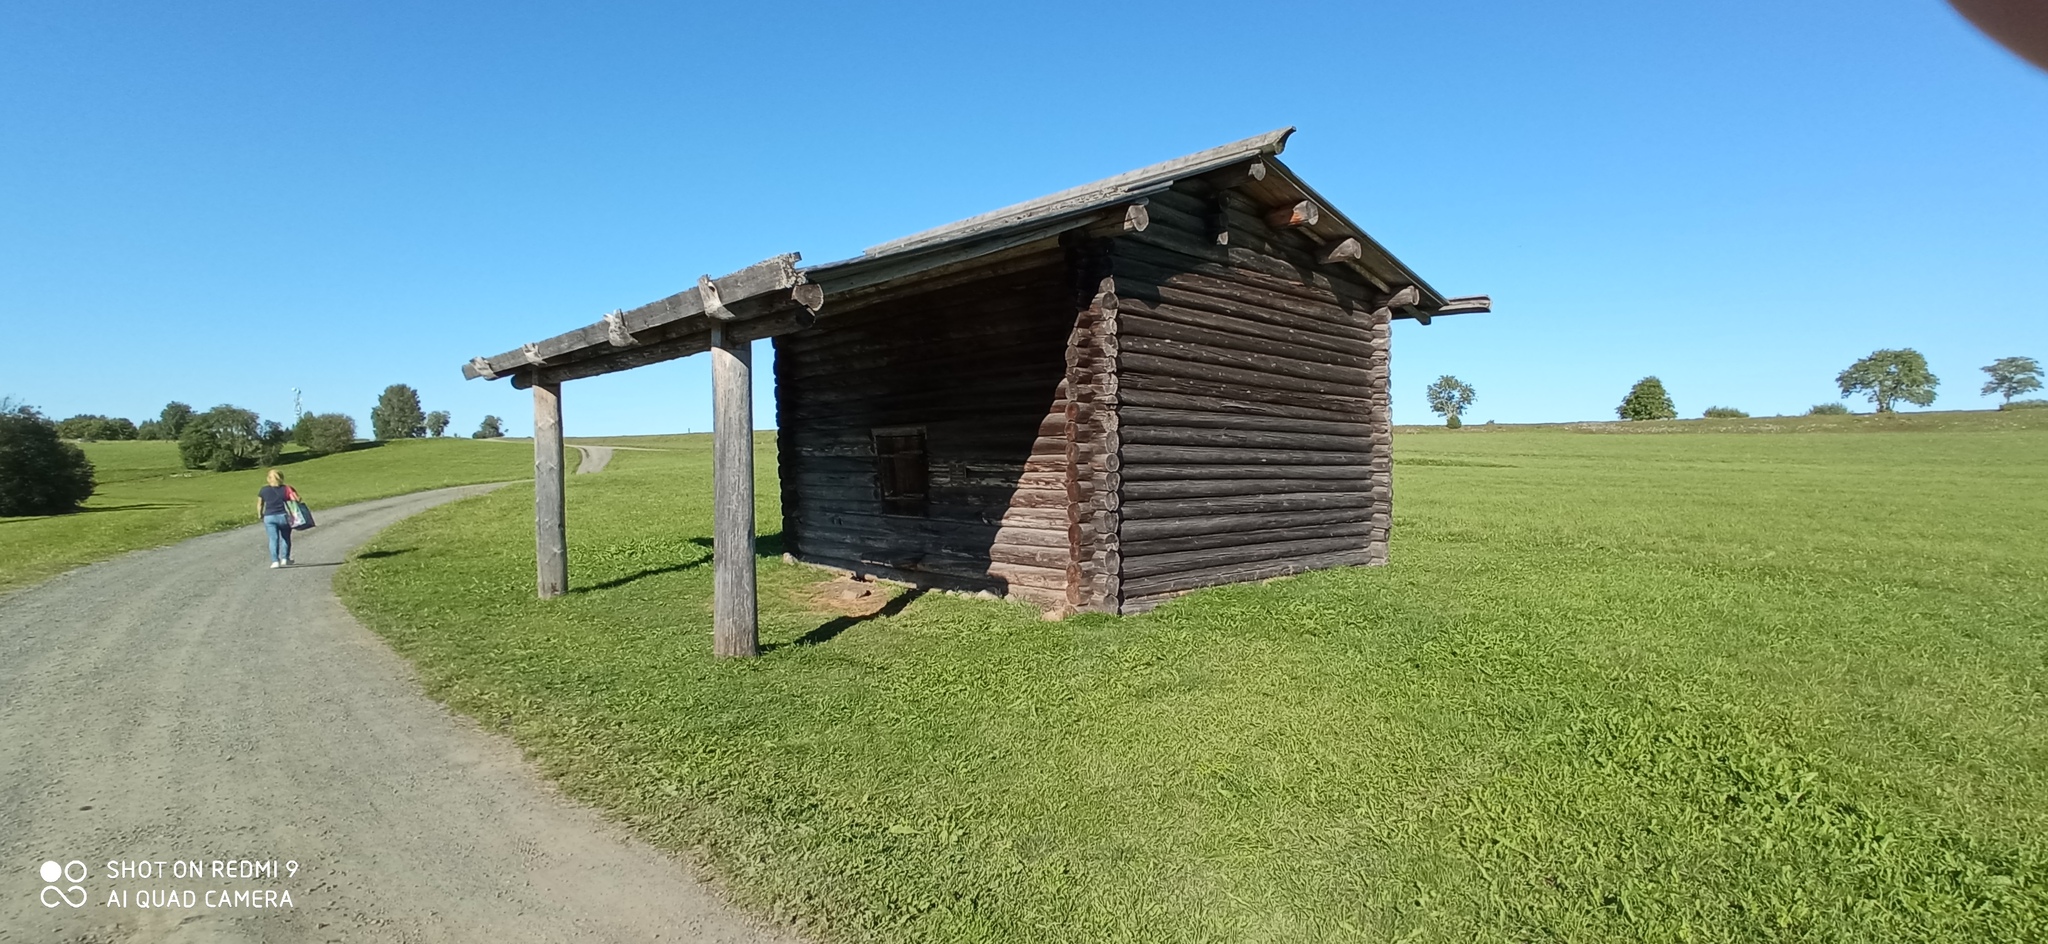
point(275, 477)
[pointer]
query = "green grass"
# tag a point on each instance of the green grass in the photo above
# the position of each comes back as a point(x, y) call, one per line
point(147, 498)
point(1711, 687)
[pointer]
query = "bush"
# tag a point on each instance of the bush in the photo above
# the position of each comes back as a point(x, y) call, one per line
point(488, 429)
point(223, 439)
point(1724, 413)
point(1647, 401)
point(151, 430)
point(40, 473)
point(324, 434)
point(437, 423)
point(397, 414)
point(2024, 405)
point(94, 426)
point(1828, 409)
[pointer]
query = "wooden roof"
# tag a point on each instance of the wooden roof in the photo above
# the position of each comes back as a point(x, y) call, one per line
point(776, 296)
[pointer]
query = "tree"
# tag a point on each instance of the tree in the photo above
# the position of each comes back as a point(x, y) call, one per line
point(2012, 376)
point(94, 426)
point(173, 419)
point(40, 473)
point(1724, 413)
point(1647, 401)
point(150, 429)
point(489, 429)
point(437, 423)
point(1828, 409)
point(1888, 376)
point(397, 414)
point(222, 439)
point(324, 434)
point(1448, 398)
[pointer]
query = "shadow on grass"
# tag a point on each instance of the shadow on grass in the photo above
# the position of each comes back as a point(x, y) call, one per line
point(380, 555)
point(839, 624)
point(766, 545)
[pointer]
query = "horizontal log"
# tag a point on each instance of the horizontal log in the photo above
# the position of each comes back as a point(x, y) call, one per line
point(759, 289)
point(1143, 396)
point(1178, 251)
point(1300, 213)
point(1136, 415)
point(1029, 583)
point(1151, 472)
point(1180, 331)
point(1356, 531)
point(1138, 569)
point(1342, 250)
point(1245, 436)
point(1150, 529)
point(1175, 279)
point(1164, 360)
point(1145, 593)
point(1242, 504)
point(1218, 315)
point(613, 359)
point(1147, 453)
point(1363, 379)
point(1144, 490)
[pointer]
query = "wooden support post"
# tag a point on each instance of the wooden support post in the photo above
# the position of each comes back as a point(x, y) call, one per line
point(733, 624)
point(550, 528)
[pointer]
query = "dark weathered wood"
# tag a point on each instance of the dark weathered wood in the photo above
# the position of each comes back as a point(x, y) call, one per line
point(1134, 511)
point(759, 289)
point(1161, 472)
point(1137, 568)
point(551, 535)
point(1180, 488)
point(1150, 529)
point(1243, 436)
point(1133, 550)
point(733, 622)
point(1144, 594)
point(696, 342)
point(1161, 323)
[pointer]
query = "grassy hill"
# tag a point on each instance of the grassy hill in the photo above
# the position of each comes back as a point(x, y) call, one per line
point(146, 498)
point(1730, 685)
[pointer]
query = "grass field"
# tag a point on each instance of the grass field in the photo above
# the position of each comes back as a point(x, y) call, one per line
point(146, 497)
point(1723, 686)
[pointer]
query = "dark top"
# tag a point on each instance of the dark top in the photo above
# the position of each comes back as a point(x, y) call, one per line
point(273, 499)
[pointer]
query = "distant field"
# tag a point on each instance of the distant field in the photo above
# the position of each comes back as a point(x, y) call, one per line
point(146, 497)
point(1724, 686)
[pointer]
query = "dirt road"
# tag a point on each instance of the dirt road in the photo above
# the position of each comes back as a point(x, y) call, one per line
point(189, 704)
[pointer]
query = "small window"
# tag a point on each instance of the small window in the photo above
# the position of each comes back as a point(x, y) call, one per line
point(901, 470)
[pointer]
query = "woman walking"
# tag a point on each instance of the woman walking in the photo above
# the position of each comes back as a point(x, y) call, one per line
point(277, 520)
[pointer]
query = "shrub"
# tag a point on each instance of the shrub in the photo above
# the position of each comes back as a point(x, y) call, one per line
point(1647, 401)
point(1828, 409)
point(2024, 405)
point(40, 473)
point(1724, 413)
point(151, 430)
point(489, 429)
point(324, 434)
point(222, 439)
point(437, 423)
point(397, 414)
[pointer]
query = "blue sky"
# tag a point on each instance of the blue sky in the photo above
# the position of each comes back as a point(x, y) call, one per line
point(217, 202)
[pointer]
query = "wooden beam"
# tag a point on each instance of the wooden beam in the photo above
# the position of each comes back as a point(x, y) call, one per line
point(1343, 250)
point(1232, 177)
point(696, 342)
point(1304, 213)
point(1136, 218)
point(551, 536)
point(734, 626)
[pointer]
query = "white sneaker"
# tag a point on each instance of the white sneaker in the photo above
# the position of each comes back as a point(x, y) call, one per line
point(275, 565)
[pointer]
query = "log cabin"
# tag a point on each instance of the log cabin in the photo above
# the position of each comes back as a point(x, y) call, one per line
point(1167, 380)
point(1094, 401)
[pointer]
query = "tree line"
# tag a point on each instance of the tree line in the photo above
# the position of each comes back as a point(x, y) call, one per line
point(1886, 378)
point(41, 473)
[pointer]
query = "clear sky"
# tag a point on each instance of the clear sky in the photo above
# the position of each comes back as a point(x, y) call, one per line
point(218, 202)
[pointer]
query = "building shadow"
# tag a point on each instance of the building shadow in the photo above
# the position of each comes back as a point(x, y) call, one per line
point(831, 629)
point(380, 555)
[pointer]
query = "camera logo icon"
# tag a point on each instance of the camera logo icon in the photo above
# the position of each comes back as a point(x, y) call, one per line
point(72, 872)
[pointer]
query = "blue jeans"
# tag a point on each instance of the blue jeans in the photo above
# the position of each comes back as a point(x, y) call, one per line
point(279, 527)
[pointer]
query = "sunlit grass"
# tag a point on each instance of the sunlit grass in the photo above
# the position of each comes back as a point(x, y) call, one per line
point(147, 498)
point(1711, 687)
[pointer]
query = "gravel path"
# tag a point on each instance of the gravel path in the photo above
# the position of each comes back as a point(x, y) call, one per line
point(188, 703)
point(595, 458)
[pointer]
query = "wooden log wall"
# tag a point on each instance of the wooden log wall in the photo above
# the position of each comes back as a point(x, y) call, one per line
point(1093, 486)
point(980, 367)
point(1252, 414)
